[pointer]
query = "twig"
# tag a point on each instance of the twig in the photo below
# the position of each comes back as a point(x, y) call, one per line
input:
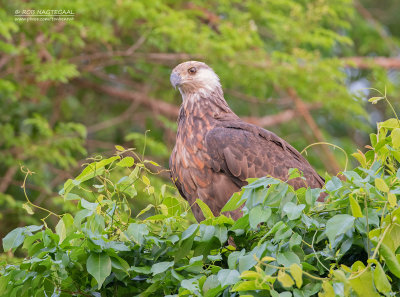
point(7, 179)
point(377, 25)
point(302, 108)
point(113, 121)
point(172, 111)
point(367, 62)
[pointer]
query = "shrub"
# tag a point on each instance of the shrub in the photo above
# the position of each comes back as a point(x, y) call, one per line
point(286, 244)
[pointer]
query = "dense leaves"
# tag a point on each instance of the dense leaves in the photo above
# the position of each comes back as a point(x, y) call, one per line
point(72, 89)
point(286, 243)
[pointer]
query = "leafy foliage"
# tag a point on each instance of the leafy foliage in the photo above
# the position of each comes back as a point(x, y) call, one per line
point(55, 112)
point(286, 244)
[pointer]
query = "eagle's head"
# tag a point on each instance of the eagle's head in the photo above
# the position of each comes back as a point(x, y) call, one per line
point(194, 77)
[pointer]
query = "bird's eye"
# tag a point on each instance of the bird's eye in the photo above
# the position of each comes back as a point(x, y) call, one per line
point(192, 70)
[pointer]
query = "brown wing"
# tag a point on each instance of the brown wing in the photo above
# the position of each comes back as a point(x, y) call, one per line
point(242, 150)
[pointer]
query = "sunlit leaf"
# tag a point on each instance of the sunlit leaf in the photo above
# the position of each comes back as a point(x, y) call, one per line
point(28, 209)
point(297, 274)
point(355, 208)
point(126, 162)
point(285, 279)
point(381, 185)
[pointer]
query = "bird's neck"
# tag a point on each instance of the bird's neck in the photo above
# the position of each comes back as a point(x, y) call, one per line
point(203, 104)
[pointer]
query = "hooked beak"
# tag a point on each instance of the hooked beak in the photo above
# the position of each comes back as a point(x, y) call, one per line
point(175, 79)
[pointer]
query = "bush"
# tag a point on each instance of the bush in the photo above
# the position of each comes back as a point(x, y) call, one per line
point(286, 244)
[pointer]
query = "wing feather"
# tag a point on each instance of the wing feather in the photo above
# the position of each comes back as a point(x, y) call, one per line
point(242, 150)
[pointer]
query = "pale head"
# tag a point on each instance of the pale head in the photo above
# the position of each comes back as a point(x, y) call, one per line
point(194, 77)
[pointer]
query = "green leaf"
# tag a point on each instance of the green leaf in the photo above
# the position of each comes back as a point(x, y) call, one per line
point(146, 209)
point(258, 215)
point(206, 232)
point(189, 231)
point(292, 210)
point(295, 240)
point(64, 227)
point(355, 208)
point(267, 259)
point(363, 284)
point(297, 274)
point(28, 209)
point(92, 170)
point(88, 205)
point(396, 138)
point(13, 239)
point(360, 158)
point(80, 215)
point(392, 199)
point(293, 173)
point(251, 285)
point(137, 232)
point(145, 180)
point(250, 275)
point(152, 163)
point(287, 259)
point(390, 123)
point(71, 196)
point(120, 148)
point(234, 202)
point(205, 209)
point(375, 100)
point(390, 259)
point(285, 279)
point(61, 230)
point(99, 266)
point(126, 162)
point(228, 277)
point(161, 267)
point(328, 290)
point(380, 279)
point(221, 232)
point(381, 185)
point(338, 225)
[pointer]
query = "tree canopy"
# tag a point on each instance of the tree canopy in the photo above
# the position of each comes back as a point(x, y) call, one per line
point(71, 90)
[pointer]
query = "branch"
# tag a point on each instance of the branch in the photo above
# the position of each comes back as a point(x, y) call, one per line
point(113, 121)
point(172, 111)
point(366, 14)
point(370, 62)
point(7, 179)
point(159, 57)
point(330, 161)
point(279, 118)
point(158, 106)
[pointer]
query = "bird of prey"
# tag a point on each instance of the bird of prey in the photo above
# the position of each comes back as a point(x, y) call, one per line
point(215, 151)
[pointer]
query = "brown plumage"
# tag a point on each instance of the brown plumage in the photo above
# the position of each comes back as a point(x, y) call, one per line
point(215, 151)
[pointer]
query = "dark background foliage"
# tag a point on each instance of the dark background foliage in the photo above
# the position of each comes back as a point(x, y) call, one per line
point(69, 90)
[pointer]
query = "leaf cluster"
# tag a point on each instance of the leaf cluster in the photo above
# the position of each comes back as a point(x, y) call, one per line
point(285, 244)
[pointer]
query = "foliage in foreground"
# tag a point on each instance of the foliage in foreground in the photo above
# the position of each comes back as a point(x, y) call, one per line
point(286, 243)
point(53, 76)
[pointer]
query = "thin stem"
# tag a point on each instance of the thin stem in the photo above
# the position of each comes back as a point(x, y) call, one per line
point(331, 144)
point(366, 217)
point(380, 241)
point(27, 173)
point(316, 255)
point(391, 106)
point(288, 268)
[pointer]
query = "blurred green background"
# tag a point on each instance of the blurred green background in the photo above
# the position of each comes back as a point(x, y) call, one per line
point(73, 89)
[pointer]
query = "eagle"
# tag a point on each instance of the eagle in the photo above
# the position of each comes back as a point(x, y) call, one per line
point(216, 151)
